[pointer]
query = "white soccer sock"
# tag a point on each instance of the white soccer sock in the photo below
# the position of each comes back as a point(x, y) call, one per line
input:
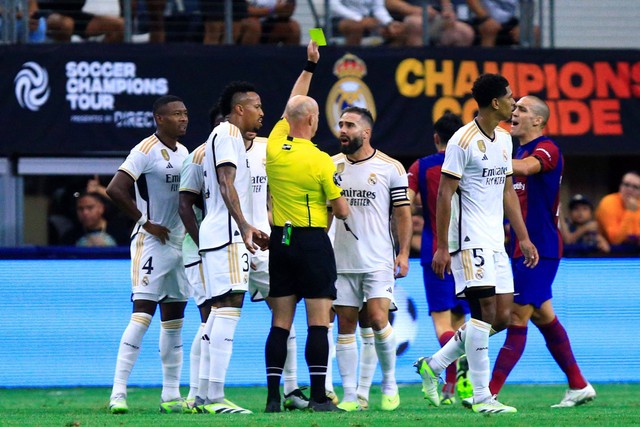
point(205, 356)
point(449, 352)
point(290, 371)
point(385, 343)
point(347, 356)
point(477, 349)
point(220, 349)
point(368, 362)
point(194, 363)
point(328, 381)
point(129, 350)
point(171, 357)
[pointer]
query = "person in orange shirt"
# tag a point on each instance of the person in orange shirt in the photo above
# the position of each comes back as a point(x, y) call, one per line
point(618, 214)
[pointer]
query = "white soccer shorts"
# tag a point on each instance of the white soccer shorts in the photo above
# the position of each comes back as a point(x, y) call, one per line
point(157, 273)
point(354, 288)
point(226, 270)
point(259, 278)
point(482, 267)
point(195, 276)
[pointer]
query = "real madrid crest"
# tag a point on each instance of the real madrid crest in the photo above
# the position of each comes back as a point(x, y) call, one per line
point(373, 179)
point(165, 154)
point(481, 146)
point(348, 91)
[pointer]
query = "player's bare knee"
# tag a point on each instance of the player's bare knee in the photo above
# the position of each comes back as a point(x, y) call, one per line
point(378, 320)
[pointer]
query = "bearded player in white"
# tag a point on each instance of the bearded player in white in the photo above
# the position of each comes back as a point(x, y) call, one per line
point(152, 169)
point(375, 185)
point(475, 193)
point(226, 235)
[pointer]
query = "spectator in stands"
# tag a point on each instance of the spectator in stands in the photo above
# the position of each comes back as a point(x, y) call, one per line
point(68, 18)
point(155, 10)
point(94, 230)
point(275, 20)
point(497, 23)
point(580, 232)
point(245, 31)
point(618, 214)
point(37, 23)
point(356, 19)
point(443, 25)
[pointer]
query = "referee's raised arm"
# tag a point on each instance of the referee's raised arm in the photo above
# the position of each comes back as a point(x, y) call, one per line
point(301, 86)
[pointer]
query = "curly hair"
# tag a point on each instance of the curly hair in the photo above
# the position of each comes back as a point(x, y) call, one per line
point(487, 87)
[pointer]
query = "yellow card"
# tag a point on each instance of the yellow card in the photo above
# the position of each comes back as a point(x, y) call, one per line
point(317, 35)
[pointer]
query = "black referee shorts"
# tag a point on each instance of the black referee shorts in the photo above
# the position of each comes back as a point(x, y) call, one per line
point(306, 268)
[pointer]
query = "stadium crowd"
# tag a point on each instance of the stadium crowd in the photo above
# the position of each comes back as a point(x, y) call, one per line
point(371, 22)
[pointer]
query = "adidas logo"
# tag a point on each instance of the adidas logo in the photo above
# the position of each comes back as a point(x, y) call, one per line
point(224, 408)
point(485, 157)
point(390, 290)
point(467, 239)
point(286, 147)
point(169, 166)
point(236, 233)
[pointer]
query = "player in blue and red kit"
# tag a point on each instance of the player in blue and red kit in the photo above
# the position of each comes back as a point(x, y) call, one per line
point(446, 310)
point(537, 167)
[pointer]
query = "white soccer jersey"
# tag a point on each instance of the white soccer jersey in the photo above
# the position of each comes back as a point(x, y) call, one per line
point(192, 181)
point(155, 168)
point(482, 165)
point(372, 187)
point(257, 155)
point(225, 146)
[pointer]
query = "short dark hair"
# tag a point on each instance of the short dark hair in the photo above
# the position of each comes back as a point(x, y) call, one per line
point(214, 115)
point(363, 112)
point(92, 194)
point(446, 126)
point(164, 100)
point(579, 199)
point(230, 92)
point(487, 87)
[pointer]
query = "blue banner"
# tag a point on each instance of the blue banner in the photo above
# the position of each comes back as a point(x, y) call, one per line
point(62, 321)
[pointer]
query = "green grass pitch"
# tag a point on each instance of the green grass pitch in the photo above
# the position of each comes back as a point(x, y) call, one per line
point(616, 404)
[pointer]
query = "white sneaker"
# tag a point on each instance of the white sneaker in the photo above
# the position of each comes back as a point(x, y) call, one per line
point(576, 397)
point(492, 406)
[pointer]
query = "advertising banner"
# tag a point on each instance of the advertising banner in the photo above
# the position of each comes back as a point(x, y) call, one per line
point(84, 99)
point(70, 291)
